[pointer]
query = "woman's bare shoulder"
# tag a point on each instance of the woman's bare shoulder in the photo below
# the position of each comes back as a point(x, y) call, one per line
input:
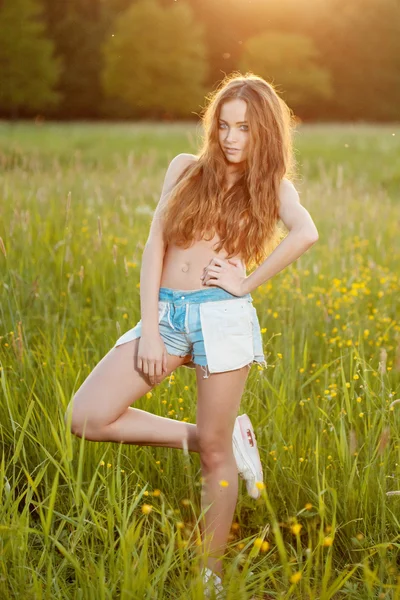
point(184, 159)
point(175, 168)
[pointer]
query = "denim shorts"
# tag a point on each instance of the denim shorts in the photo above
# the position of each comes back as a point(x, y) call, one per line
point(219, 331)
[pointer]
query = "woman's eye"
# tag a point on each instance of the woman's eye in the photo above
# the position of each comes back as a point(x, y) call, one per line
point(222, 125)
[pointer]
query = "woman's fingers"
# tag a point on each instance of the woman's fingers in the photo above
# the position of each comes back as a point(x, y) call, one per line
point(211, 271)
point(158, 367)
point(151, 371)
point(151, 368)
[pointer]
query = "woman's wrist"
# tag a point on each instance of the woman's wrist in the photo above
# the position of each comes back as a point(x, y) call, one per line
point(150, 328)
point(246, 286)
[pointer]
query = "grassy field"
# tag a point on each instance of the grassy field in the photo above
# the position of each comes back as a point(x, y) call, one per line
point(87, 520)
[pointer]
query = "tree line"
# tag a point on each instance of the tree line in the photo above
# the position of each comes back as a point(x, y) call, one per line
point(97, 59)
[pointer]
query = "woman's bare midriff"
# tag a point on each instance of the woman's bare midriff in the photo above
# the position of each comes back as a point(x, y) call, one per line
point(183, 267)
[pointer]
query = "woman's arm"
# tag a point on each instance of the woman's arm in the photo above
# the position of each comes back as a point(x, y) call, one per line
point(154, 250)
point(302, 235)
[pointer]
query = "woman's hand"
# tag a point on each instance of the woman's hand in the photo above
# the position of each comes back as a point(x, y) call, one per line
point(226, 274)
point(152, 358)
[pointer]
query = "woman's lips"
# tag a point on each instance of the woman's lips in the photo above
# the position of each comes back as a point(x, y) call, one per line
point(231, 150)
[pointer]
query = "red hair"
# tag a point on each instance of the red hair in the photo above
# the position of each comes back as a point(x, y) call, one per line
point(244, 217)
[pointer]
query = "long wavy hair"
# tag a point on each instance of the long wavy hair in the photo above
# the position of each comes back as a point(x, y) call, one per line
point(246, 216)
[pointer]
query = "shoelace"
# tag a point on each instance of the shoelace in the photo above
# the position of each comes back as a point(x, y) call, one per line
point(218, 588)
point(208, 575)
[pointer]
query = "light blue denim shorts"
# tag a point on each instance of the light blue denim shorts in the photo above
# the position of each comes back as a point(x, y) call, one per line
point(219, 331)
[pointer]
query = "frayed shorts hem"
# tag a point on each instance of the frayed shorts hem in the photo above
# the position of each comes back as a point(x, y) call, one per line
point(259, 360)
point(216, 333)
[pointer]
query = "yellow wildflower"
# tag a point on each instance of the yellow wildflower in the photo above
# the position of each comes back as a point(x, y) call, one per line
point(265, 546)
point(296, 528)
point(295, 578)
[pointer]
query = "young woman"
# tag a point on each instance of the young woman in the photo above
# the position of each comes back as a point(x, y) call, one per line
point(218, 215)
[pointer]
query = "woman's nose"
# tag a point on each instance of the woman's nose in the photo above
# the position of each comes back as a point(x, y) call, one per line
point(230, 136)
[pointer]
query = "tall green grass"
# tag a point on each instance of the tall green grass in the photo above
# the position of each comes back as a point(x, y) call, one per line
point(86, 520)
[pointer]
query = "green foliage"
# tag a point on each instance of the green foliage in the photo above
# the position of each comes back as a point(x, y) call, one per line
point(359, 43)
point(155, 60)
point(228, 30)
point(351, 61)
point(76, 204)
point(28, 69)
point(290, 62)
point(78, 29)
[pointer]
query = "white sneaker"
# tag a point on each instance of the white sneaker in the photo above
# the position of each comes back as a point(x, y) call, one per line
point(246, 453)
point(207, 575)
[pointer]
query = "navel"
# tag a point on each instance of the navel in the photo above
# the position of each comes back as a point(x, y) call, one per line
point(185, 267)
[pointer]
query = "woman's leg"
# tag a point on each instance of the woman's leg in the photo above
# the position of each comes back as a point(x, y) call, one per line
point(218, 403)
point(101, 407)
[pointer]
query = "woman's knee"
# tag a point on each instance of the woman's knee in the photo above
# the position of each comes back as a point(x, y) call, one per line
point(79, 422)
point(214, 449)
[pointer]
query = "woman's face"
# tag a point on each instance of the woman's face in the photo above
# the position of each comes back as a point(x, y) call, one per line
point(233, 130)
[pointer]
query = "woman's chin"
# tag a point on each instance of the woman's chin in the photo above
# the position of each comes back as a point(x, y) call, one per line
point(234, 158)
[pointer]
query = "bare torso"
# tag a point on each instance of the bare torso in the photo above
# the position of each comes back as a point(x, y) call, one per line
point(183, 267)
